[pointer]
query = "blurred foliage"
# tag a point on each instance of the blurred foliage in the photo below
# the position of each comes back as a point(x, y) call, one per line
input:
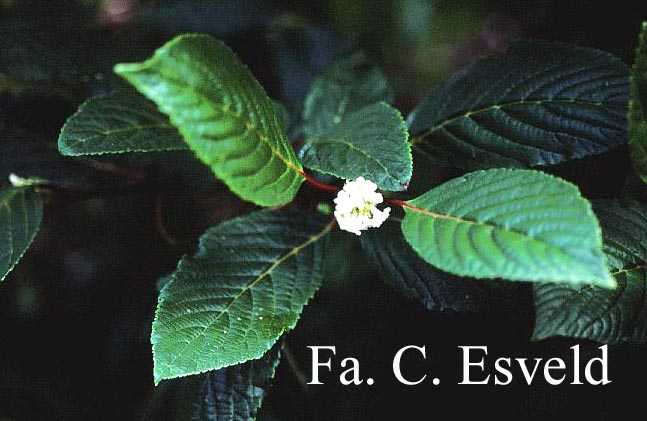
point(76, 312)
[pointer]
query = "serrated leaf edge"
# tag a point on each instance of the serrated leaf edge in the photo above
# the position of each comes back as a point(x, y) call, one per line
point(122, 69)
point(641, 144)
point(5, 204)
point(409, 207)
point(404, 131)
point(267, 272)
point(67, 150)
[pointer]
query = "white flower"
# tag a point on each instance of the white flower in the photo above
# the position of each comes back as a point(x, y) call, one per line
point(355, 208)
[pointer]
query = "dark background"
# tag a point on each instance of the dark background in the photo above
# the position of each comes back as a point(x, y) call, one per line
point(75, 314)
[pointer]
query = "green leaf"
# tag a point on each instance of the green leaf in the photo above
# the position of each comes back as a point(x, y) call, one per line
point(347, 86)
point(538, 103)
point(233, 393)
point(223, 114)
point(233, 299)
point(371, 142)
point(588, 312)
point(638, 107)
point(401, 267)
point(520, 225)
point(122, 121)
point(21, 212)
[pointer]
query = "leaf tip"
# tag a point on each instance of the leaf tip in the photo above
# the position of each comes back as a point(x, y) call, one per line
point(609, 282)
point(159, 375)
point(163, 371)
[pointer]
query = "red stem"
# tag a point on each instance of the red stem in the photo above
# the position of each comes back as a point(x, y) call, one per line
point(319, 185)
point(398, 203)
point(334, 189)
point(421, 210)
point(404, 204)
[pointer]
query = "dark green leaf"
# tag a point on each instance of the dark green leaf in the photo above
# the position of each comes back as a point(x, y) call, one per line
point(588, 312)
point(21, 212)
point(638, 108)
point(518, 225)
point(223, 114)
point(402, 268)
point(539, 103)
point(233, 393)
point(246, 285)
point(122, 121)
point(302, 51)
point(347, 86)
point(371, 142)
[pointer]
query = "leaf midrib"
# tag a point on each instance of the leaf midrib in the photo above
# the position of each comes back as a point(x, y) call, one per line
point(240, 119)
point(332, 140)
point(29, 238)
point(485, 225)
point(469, 112)
point(576, 294)
point(292, 252)
point(119, 131)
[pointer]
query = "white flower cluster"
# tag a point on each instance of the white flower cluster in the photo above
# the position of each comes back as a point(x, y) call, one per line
point(355, 208)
